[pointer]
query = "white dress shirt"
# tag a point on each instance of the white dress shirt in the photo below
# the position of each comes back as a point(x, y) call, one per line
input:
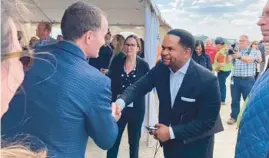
point(176, 79)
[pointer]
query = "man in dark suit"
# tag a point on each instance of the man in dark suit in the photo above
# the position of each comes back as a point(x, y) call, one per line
point(189, 99)
point(64, 100)
point(102, 61)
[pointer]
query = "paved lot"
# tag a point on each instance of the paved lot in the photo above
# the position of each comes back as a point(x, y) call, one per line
point(224, 142)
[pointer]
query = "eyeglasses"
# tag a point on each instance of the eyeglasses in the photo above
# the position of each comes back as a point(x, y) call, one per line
point(25, 57)
point(130, 45)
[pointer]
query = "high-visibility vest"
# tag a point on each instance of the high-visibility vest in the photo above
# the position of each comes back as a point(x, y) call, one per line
point(226, 66)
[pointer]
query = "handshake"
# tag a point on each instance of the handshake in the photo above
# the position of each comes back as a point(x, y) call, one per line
point(116, 111)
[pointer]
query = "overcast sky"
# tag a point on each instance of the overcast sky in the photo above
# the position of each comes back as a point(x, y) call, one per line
point(226, 18)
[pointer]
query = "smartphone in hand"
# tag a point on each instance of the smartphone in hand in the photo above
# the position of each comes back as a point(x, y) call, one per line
point(151, 128)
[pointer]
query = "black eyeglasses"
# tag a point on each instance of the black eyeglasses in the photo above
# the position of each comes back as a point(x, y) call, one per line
point(130, 45)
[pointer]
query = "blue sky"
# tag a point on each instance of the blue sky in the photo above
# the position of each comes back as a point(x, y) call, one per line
point(226, 18)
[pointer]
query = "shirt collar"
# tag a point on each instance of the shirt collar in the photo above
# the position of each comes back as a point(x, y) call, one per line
point(183, 69)
point(72, 48)
point(244, 50)
point(46, 39)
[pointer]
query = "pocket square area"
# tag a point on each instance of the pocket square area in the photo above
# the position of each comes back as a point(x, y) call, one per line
point(188, 99)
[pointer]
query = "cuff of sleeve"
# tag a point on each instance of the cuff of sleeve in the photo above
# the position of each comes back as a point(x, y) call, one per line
point(120, 102)
point(172, 135)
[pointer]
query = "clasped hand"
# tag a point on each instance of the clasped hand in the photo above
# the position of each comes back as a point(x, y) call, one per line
point(116, 111)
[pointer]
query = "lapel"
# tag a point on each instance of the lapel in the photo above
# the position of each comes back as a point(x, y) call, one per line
point(188, 83)
point(166, 79)
point(164, 93)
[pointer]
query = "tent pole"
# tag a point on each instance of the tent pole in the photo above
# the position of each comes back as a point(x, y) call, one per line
point(150, 50)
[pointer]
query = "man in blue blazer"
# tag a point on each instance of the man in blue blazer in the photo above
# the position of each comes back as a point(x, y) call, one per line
point(189, 99)
point(64, 100)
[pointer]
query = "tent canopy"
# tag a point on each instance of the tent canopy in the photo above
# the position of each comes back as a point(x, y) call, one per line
point(123, 15)
point(119, 12)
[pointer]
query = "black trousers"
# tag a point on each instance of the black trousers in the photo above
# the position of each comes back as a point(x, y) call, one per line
point(199, 149)
point(133, 119)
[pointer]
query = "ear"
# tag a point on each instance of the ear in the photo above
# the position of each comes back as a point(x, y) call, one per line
point(88, 37)
point(188, 51)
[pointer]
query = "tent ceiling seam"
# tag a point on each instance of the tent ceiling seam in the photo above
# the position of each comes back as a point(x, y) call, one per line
point(41, 10)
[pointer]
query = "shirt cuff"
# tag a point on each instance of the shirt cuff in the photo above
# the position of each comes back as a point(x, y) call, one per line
point(121, 102)
point(172, 135)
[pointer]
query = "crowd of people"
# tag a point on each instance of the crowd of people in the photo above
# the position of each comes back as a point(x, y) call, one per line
point(90, 83)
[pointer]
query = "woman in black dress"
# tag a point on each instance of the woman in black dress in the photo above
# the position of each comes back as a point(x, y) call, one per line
point(200, 56)
point(124, 72)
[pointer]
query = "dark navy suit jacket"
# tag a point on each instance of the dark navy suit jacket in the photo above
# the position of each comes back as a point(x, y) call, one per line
point(63, 101)
point(102, 61)
point(190, 120)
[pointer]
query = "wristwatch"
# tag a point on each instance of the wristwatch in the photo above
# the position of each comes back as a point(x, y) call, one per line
point(239, 57)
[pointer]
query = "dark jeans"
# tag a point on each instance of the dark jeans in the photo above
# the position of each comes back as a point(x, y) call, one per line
point(238, 87)
point(134, 120)
point(222, 76)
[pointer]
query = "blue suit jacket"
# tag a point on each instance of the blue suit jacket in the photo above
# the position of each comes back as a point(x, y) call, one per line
point(64, 100)
point(253, 134)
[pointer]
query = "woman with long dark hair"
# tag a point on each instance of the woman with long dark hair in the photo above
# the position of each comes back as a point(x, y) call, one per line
point(200, 56)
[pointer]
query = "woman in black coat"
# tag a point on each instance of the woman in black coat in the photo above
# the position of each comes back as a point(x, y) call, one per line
point(124, 72)
point(200, 56)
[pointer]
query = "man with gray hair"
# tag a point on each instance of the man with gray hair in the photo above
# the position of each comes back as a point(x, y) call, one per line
point(243, 75)
point(67, 100)
point(43, 33)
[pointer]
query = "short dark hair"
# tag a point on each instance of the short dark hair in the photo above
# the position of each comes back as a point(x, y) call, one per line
point(186, 38)
point(79, 18)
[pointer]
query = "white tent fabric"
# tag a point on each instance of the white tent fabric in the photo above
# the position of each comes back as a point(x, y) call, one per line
point(119, 12)
point(151, 42)
point(123, 15)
